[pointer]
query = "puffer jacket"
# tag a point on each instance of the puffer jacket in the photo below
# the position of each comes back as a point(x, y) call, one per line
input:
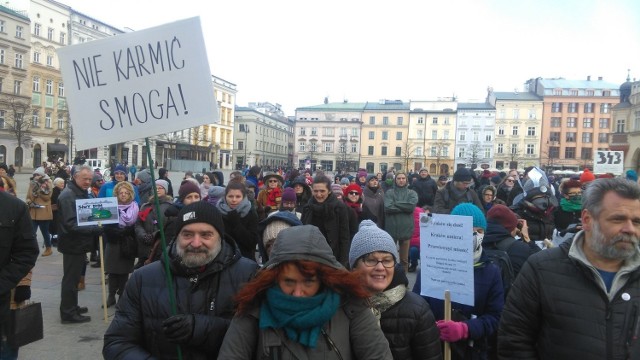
point(136, 330)
point(558, 308)
point(426, 189)
point(374, 201)
point(18, 248)
point(353, 330)
point(73, 239)
point(399, 203)
point(446, 199)
point(497, 237)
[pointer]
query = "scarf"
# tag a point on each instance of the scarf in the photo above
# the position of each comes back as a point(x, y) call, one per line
point(301, 318)
point(381, 302)
point(357, 206)
point(570, 206)
point(128, 214)
point(274, 197)
point(243, 208)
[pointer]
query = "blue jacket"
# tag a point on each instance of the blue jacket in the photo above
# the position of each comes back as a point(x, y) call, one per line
point(488, 304)
point(106, 190)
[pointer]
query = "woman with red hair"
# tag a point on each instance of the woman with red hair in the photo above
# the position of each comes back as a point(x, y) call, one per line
point(303, 304)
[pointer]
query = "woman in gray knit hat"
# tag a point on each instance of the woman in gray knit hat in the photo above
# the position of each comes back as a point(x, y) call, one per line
point(405, 318)
point(304, 304)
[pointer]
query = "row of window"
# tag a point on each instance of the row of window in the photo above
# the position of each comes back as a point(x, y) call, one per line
point(576, 92)
point(587, 123)
point(327, 147)
point(572, 107)
point(36, 58)
point(48, 86)
point(35, 120)
point(327, 131)
point(19, 29)
point(17, 86)
point(586, 153)
point(502, 114)
point(18, 59)
point(587, 137)
point(50, 33)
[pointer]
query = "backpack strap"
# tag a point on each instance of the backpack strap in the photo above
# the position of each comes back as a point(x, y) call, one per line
point(506, 244)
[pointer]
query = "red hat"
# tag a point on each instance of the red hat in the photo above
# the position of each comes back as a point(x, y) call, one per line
point(504, 216)
point(352, 187)
point(587, 176)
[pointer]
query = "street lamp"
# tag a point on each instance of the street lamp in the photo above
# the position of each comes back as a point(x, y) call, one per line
point(246, 135)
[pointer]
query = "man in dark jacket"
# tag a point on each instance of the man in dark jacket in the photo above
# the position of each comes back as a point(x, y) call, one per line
point(456, 192)
point(425, 187)
point(581, 299)
point(207, 270)
point(18, 254)
point(74, 242)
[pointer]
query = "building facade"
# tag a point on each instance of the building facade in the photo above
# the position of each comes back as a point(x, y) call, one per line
point(264, 137)
point(385, 134)
point(432, 129)
point(576, 120)
point(626, 115)
point(475, 133)
point(20, 143)
point(322, 132)
point(518, 127)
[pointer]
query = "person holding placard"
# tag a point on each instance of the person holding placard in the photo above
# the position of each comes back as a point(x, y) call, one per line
point(405, 318)
point(471, 329)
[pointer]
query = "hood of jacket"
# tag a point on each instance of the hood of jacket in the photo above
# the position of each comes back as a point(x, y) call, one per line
point(495, 232)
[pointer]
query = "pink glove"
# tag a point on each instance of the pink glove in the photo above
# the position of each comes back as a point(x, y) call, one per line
point(452, 331)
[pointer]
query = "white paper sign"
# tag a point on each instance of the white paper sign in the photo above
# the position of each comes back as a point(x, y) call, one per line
point(446, 255)
point(608, 162)
point(138, 84)
point(95, 211)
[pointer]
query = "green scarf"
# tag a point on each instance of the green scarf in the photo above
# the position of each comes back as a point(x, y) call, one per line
point(301, 317)
point(571, 205)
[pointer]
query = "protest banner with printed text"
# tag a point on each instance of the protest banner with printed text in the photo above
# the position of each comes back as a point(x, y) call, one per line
point(446, 257)
point(97, 211)
point(138, 84)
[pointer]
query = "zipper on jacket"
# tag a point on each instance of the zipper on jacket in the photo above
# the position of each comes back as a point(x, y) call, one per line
point(634, 328)
point(609, 325)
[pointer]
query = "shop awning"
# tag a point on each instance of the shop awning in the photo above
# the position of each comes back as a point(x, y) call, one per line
point(53, 147)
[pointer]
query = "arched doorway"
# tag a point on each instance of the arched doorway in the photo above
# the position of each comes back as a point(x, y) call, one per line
point(432, 169)
point(444, 169)
point(3, 154)
point(37, 156)
point(18, 160)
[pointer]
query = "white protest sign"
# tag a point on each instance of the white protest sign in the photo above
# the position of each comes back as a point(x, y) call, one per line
point(608, 162)
point(94, 211)
point(138, 84)
point(446, 257)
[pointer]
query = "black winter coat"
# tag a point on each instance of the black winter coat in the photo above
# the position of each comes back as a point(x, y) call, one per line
point(73, 239)
point(557, 309)
point(410, 329)
point(540, 226)
point(497, 237)
point(18, 248)
point(426, 189)
point(332, 218)
point(136, 330)
point(244, 230)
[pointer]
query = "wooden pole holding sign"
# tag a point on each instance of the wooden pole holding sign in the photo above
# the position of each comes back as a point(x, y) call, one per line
point(103, 283)
point(447, 316)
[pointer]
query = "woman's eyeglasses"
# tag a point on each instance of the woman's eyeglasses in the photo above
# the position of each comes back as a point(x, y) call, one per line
point(371, 262)
point(273, 181)
point(354, 193)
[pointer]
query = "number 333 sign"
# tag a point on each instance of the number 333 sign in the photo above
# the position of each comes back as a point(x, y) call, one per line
point(608, 162)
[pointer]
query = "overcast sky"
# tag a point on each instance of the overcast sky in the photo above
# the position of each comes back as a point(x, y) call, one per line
point(297, 52)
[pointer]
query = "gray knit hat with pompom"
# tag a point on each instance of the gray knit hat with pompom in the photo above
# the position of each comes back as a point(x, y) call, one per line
point(370, 238)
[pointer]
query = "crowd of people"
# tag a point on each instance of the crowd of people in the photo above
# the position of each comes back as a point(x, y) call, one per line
point(296, 264)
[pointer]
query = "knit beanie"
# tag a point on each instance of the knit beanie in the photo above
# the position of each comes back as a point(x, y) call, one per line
point(145, 176)
point(120, 168)
point(200, 212)
point(503, 216)
point(371, 177)
point(632, 175)
point(368, 239)
point(352, 187)
point(96, 177)
point(344, 181)
point(469, 209)
point(216, 192)
point(304, 242)
point(362, 173)
point(4, 166)
point(336, 189)
point(272, 230)
point(496, 179)
point(462, 174)
point(187, 187)
point(288, 195)
point(163, 183)
point(587, 176)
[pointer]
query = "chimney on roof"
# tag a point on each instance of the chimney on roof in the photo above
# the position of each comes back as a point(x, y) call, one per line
point(600, 78)
point(589, 78)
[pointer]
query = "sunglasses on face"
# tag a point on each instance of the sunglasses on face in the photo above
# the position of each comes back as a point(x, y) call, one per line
point(353, 193)
point(509, 180)
point(273, 181)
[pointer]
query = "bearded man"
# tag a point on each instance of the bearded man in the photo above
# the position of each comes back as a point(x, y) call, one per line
point(207, 271)
point(581, 300)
